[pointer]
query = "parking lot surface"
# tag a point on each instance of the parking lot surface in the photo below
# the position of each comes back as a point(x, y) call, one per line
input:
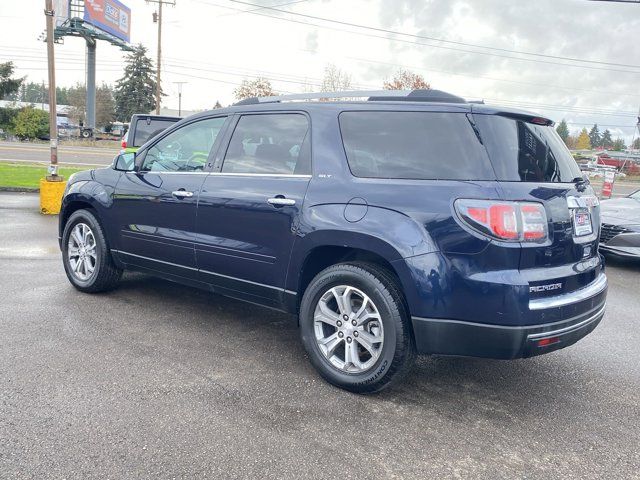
point(159, 380)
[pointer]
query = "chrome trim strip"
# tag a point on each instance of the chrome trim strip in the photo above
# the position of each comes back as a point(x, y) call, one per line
point(205, 271)
point(225, 174)
point(591, 290)
point(153, 172)
point(570, 328)
point(286, 175)
point(153, 259)
point(241, 280)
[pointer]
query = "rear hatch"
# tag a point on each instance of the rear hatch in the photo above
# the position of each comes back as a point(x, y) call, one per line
point(533, 164)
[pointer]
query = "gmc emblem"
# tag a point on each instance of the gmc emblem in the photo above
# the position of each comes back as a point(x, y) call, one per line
point(545, 288)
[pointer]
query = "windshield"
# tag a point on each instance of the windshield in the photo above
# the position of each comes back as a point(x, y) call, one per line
point(525, 152)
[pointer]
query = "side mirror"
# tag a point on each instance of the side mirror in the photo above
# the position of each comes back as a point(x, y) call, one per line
point(125, 162)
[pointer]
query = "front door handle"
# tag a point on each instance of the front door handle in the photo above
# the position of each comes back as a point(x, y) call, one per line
point(281, 201)
point(182, 194)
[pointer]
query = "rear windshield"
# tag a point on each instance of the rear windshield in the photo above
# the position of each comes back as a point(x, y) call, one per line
point(148, 128)
point(413, 145)
point(525, 152)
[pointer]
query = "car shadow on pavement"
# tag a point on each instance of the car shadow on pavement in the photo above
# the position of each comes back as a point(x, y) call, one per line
point(449, 386)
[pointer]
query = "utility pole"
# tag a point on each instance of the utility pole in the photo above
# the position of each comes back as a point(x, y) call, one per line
point(158, 19)
point(53, 119)
point(180, 96)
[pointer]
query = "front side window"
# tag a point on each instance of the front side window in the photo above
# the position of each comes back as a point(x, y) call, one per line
point(413, 145)
point(269, 144)
point(185, 150)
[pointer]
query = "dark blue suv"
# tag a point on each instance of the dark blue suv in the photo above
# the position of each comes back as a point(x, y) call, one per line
point(408, 223)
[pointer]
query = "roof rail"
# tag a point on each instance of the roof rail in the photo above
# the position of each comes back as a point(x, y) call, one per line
point(371, 95)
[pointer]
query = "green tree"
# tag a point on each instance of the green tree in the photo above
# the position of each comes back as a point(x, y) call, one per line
point(583, 142)
point(636, 144)
point(7, 118)
point(260, 87)
point(135, 91)
point(594, 136)
point(406, 80)
point(8, 85)
point(563, 130)
point(607, 141)
point(618, 144)
point(31, 123)
point(105, 104)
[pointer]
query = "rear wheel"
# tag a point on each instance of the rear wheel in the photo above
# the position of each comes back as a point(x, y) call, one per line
point(85, 254)
point(355, 328)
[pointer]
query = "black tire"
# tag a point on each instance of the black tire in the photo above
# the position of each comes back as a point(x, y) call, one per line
point(106, 275)
point(397, 351)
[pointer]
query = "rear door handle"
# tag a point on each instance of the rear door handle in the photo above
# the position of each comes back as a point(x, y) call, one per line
point(281, 201)
point(182, 194)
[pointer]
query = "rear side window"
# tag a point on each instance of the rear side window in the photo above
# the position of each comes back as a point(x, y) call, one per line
point(146, 129)
point(526, 152)
point(413, 145)
point(269, 144)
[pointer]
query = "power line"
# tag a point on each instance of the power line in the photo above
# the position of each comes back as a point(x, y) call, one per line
point(354, 25)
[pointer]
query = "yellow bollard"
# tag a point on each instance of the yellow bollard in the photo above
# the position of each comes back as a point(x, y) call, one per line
point(51, 196)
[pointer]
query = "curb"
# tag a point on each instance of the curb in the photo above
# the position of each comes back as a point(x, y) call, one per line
point(20, 189)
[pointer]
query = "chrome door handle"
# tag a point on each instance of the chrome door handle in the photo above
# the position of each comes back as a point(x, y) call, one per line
point(281, 201)
point(182, 194)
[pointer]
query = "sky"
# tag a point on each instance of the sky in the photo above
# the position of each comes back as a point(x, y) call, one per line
point(577, 60)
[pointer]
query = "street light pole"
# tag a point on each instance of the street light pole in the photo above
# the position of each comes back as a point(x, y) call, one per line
point(180, 96)
point(53, 119)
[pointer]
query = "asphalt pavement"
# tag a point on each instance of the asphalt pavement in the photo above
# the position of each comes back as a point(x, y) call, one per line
point(157, 380)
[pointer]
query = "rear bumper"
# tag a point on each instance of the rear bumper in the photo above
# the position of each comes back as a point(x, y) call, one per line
point(453, 337)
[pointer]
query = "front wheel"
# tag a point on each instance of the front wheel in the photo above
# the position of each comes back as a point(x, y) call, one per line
point(355, 327)
point(85, 254)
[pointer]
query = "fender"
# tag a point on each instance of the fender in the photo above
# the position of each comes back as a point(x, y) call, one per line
point(384, 232)
point(92, 187)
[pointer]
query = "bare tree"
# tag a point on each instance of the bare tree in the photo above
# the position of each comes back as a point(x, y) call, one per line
point(406, 80)
point(335, 80)
point(260, 87)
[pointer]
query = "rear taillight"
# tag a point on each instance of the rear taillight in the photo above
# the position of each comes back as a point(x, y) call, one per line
point(506, 221)
point(123, 144)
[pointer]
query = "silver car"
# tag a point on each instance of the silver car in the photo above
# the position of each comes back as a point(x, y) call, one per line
point(620, 233)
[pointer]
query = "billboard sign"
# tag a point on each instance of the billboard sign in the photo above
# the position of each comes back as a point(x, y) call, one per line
point(61, 9)
point(110, 16)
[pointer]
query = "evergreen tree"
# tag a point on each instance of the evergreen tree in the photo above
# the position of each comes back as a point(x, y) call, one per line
point(618, 144)
point(583, 142)
point(636, 144)
point(594, 137)
point(563, 130)
point(135, 91)
point(8, 85)
point(607, 141)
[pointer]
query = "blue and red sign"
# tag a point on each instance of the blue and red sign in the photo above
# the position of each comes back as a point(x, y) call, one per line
point(110, 16)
